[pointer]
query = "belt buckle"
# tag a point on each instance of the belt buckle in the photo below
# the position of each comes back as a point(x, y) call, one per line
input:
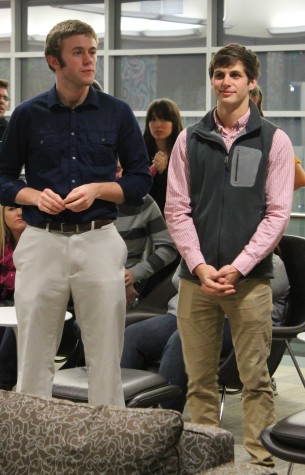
point(77, 229)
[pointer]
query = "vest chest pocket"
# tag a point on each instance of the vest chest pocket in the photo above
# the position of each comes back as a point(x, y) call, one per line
point(245, 164)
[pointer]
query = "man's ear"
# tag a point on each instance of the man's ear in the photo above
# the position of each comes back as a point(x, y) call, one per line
point(252, 84)
point(52, 61)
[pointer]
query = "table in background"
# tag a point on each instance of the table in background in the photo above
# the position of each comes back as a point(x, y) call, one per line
point(8, 318)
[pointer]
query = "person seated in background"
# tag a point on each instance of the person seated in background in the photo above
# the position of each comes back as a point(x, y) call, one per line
point(149, 245)
point(299, 179)
point(4, 102)
point(162, 126)
point(156, 340)
point(11, 227)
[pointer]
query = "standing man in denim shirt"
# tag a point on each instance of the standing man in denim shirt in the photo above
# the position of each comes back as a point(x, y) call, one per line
point(229, 196)
point(69, 140)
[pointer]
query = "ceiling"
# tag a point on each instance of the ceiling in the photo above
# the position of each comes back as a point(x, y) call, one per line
point(261, 19)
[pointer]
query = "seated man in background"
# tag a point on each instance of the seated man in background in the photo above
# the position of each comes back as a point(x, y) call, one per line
point(4, 102)
point(156, 340)
point(150, 248)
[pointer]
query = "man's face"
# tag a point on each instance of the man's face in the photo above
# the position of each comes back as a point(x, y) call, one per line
point(231, 85)
point(3, 101)
point(78, 63)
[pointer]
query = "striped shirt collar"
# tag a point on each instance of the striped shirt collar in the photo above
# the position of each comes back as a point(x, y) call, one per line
point(237, 126)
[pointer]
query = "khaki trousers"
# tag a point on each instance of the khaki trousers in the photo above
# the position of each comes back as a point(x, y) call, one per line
point(90, 266)
point(200, 321)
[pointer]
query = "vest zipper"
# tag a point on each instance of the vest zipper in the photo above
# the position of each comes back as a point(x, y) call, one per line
point(236, 169)
point(226, 161)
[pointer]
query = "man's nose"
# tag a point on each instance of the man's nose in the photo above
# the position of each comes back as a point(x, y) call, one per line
point(87, 58)
point(226, 79)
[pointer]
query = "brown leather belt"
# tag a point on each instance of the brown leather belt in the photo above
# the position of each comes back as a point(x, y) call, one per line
point(74, 228)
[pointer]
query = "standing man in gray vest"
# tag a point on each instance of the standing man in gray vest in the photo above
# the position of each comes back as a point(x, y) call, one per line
point(229, 197)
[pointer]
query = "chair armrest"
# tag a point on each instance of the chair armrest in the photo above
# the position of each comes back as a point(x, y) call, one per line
point(203, 447)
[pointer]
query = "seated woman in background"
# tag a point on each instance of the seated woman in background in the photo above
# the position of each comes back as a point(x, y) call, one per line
point(11, 227)
point(162, 126)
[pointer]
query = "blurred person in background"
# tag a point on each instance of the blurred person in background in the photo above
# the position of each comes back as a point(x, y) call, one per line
point(299, 179)
point(11, 227)
point(162, 126)
point(4, 102)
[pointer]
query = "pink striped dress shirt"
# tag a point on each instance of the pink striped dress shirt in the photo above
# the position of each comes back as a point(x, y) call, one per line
point(279, 193)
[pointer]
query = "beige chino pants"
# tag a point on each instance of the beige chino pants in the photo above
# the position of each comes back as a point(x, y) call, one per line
point(90, 266)
point(200, 322)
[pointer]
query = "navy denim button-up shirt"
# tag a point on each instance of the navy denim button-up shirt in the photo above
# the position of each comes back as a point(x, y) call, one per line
point(63, 148)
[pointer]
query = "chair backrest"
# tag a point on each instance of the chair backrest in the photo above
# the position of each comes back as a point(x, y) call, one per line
point(228, 374)
point(292, 252)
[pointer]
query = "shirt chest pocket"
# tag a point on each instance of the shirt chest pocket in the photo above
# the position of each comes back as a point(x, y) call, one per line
point(101, 147)
point(245, 165)
point(45, 152)
point(42, 141)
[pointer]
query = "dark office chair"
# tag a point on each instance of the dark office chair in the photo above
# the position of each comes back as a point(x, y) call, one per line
point(286, 439)
point(155, 302)
point(141, 388)
point(292, 252)
point(69, 341)
point(228, 375)
point(292, 249)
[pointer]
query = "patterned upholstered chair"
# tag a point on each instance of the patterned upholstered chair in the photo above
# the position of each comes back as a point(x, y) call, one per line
point(52, 436)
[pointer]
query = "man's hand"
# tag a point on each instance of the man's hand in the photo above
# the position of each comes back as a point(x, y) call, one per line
point(131, 294)
point(228, 275)
point(81, 198)
point(50, 202)
point(129, 278)
point(213, 282)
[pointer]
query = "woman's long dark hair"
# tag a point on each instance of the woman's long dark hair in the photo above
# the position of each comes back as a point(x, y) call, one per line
point(162, 109)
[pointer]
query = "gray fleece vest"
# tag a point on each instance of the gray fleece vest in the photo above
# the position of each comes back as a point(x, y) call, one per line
point(227, 190)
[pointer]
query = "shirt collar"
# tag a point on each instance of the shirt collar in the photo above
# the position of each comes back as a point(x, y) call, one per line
point(237, 126)
point(91, 99)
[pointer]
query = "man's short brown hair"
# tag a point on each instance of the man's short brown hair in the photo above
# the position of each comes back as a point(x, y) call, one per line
point(230, 54)
point(4, 83)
